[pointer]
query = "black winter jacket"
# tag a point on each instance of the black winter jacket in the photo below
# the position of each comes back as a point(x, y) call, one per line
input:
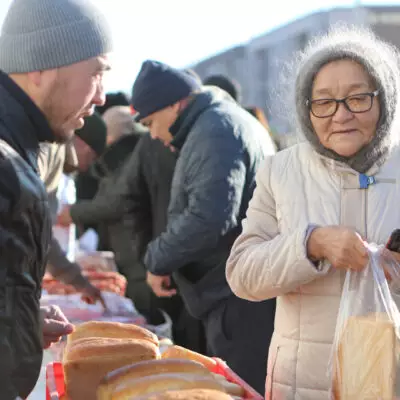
point(25, 234)
point(221, 147)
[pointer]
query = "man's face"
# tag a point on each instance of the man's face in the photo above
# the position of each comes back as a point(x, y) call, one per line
point(85, 154)
point(71, 93)
point(161, 121)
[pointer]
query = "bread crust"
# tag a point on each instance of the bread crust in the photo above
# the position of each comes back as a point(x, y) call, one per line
point(191, 394)
point(148, 368)
point(88, 361)
point(164, 383)
point(182, 353)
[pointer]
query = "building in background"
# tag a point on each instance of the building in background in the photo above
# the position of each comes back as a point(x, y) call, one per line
point(259, 65)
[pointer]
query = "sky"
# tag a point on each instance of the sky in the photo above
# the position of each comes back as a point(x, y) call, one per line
point(181, 32)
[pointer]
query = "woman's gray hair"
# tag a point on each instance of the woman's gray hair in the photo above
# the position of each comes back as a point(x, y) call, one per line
point(380, 60)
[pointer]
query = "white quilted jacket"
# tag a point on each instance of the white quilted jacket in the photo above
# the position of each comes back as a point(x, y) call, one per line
point(295, 188)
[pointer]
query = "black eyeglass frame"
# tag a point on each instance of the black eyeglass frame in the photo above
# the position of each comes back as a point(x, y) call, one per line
point(372, 95)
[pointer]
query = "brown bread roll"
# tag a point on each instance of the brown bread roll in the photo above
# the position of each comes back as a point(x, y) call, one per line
point(89, 361)
point(163, 383)
point(147, 368)
point(180, 352)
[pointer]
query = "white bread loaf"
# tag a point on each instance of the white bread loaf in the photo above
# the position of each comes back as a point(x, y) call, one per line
point(89, 361)
point(147, 368)
point(164, 383)
point(185, 354)
point(366, 363)
point(231, 388)
point(115, 330)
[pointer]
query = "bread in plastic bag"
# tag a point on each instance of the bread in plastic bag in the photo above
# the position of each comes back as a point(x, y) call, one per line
point(364, 357)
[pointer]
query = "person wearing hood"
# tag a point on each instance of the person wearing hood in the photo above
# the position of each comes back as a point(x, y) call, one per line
point(219, 147)
point(317, 203)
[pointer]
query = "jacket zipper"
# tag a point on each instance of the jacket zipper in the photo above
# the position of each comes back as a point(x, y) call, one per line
point(273, 374)
point(366, 214)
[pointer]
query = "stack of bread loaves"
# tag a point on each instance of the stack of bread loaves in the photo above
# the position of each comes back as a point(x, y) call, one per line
point(112, 361)
point(96, 348)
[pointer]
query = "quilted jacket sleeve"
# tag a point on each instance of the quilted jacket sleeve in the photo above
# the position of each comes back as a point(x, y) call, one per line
point(107, 205)
point(62, 269)
point(265, 263)
point(113, 196)
point(9, 245)
point(215, 172)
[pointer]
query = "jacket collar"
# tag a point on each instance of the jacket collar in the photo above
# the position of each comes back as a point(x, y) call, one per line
point(342, 167)
point(25, 124)
point(199, 103)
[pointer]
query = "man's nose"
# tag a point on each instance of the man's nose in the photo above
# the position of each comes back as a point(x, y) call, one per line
point(99, 98)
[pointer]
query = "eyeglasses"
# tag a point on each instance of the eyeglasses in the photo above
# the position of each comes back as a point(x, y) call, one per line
point(356, 103)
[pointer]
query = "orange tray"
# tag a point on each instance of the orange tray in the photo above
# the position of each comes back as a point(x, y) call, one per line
point(55, 385)
point(223, 369)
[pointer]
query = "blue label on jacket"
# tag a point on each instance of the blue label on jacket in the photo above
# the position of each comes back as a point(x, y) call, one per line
point(366, 181)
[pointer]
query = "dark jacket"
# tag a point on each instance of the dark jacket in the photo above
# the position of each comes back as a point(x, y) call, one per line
point(221, 146)
point(133, 202)
point(25, 234)
point(90, 182)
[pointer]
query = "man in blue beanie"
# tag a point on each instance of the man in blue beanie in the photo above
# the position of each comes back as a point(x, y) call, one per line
point(53, 54)
point(220, 147)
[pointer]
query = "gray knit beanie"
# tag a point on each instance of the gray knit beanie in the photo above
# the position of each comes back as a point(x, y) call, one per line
point(381, 61)
point(44, 34)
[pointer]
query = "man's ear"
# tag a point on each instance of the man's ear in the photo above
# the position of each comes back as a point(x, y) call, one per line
point(178, 106)
point(43, 80)
point(35, 78)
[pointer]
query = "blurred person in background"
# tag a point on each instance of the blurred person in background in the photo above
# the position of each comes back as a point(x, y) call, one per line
point(228, 85)
point(87, 211)
point(219, 147)
point(51, 163)
point(318, 203)
point(119, 122)
point(233, 89)
point(112, 100)
point(45, 94)
point(89, 143)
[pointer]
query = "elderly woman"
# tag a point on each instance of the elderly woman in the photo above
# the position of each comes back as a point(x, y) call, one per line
point(316, 202)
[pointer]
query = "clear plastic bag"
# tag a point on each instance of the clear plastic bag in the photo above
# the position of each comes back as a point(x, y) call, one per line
point(364, 357)
point(97, 260)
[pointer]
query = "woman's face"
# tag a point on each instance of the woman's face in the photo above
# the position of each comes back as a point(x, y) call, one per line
point(344, 132)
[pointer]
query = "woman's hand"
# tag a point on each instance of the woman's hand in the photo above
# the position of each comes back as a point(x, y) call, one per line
point(342, 247)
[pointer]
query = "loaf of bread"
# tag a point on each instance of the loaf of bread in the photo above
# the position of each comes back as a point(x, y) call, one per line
point(180, 352)
point(115, 330)
point(193, 394)
point(232, 388)
point(366, 364)
point(162, 383)
point(69, 349)
point(147, 368)
point(88, 361)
